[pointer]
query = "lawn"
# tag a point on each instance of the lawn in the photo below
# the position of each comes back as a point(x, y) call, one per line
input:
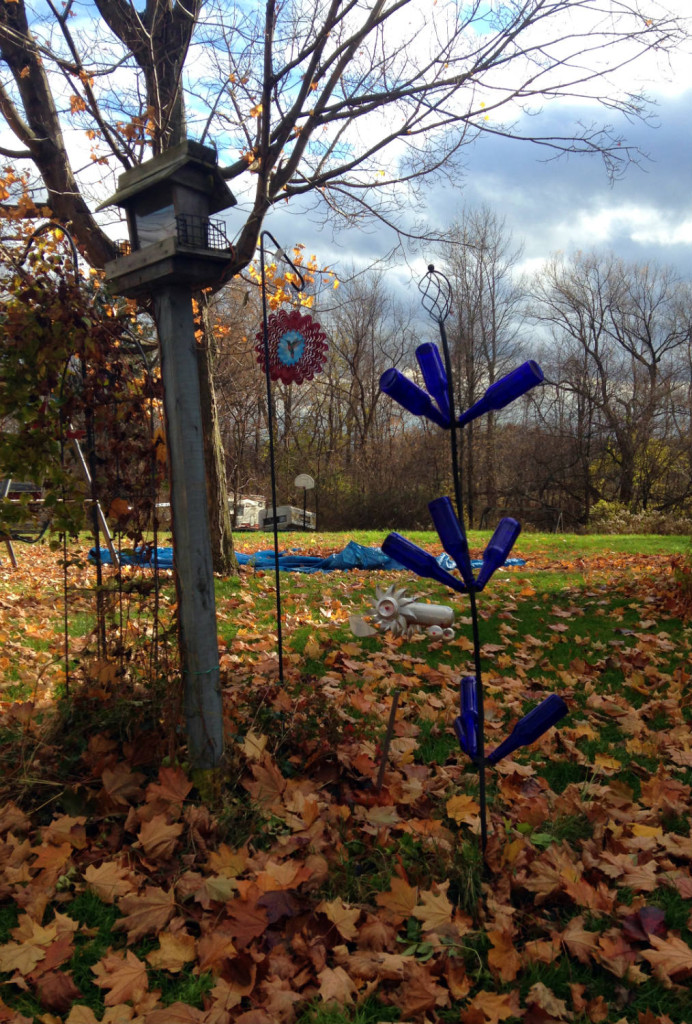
point(296, 890)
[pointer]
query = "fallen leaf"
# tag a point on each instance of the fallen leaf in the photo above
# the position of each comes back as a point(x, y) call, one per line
point(463, 809)
point(175, 950)
point(125, 977)
point(670, 958)
point(145, 913)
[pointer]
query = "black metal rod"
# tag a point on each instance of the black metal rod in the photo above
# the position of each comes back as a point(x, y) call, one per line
point(272, 464)
point(456, 474)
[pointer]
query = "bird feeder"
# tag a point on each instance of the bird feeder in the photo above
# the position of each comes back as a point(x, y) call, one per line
point(168, 202)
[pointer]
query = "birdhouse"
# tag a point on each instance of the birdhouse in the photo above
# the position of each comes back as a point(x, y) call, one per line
point(168, 202)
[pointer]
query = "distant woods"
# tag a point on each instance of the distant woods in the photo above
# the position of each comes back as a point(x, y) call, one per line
point(608, 437)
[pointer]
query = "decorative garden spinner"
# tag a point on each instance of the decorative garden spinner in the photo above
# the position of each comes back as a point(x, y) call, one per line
point(436, 403)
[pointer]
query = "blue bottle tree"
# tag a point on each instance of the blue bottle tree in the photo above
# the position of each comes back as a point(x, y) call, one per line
point(435, 402)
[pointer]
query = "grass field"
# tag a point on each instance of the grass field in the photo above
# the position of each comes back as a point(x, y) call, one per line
point(342, 904)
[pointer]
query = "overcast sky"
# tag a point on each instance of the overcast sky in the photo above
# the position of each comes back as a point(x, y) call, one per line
point(564, 205)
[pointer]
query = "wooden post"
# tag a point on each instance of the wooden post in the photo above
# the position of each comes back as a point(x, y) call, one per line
point(191, 538)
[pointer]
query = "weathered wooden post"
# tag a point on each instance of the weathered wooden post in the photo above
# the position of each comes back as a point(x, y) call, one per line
point(174, 250)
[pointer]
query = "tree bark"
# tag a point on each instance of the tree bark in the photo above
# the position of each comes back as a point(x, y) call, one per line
point(223, 555)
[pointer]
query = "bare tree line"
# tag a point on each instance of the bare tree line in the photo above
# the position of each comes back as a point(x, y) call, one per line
point(612, 423)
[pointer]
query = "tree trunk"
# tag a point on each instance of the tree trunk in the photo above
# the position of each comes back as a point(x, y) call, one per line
point(223, 556)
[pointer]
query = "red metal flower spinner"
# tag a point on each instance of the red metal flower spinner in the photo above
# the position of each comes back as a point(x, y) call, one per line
point(297, 347)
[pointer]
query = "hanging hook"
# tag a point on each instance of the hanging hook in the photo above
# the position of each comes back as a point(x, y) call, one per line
point(281, 255)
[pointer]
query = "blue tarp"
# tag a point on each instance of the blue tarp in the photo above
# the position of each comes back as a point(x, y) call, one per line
point(353, 556)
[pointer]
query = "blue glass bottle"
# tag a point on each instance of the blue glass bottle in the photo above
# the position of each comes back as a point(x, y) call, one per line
point(504, 391)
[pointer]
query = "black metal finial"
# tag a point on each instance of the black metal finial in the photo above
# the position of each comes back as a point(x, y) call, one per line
point(436, 292)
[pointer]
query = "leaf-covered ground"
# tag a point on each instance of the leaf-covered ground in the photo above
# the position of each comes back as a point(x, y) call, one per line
point(296, 891)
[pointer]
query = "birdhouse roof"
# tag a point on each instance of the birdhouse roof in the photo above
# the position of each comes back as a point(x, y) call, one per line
point(171, 165)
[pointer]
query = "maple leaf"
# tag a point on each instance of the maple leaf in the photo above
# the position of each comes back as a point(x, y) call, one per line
point(463, 808)
point(158, 839)
point(121, 784)
point(19, 956)
point(145, 913)
point(494, 1006)
point(436, 913)
point(503, 959)
point(269, 784)
point(342, 916)
point(578, 941)
point(376, 934)
point(420, 992)
point(66, 829)
point(400, 900)
point(541, 996)
point(172, 788)
point(336, 985)
point(368, 965)
point(617, 956)
point(246, 919)
point(254, 745)
point(670, 958)
point(227, 862)
point(125, 976)
point(278, 876)
point(213, 949)
point(176, 1013)
point(81, 1015)
point(109, 881)
point(279, 999)
point(57, 991)
point(175, 950)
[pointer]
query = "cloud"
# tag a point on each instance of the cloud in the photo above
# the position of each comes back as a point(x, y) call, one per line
point(550, 206)
point(568, 203)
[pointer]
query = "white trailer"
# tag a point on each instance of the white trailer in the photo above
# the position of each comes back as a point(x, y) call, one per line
point(287, 518)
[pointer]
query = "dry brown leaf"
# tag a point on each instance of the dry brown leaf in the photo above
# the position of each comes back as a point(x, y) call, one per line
point(540, 995)
point(400, 900)
point(109, 881)
point(226, 861)
point(158, 839)
point(146, 913)
point(176, 1013)
point(20, 956)
point(175, 950)
point(172, 788)
point(335, 984)
point(57, 991)
point(670, 958)
point(463, 809)
point(494, 1006)
point(342, 917)
point(121, 784)
point(125, 977)
point(436, 913)
point(503, 959)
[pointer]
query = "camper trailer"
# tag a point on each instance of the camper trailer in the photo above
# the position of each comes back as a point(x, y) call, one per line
point(287, 518)
point(247, 513)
